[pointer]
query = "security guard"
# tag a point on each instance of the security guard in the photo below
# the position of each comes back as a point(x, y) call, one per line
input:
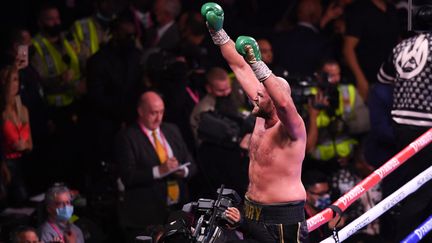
point(93, 32)
point(56, 59)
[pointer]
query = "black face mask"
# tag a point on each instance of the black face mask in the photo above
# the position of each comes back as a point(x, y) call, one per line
point(105, 20)
point(225, 105)
point(127, 43)
point(53, 31)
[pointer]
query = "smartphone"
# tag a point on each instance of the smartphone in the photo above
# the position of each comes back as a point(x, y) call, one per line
point(22, 56)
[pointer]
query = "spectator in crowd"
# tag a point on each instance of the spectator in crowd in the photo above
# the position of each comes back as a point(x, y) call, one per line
point(152, 158)
point(318, 197)
point(218, 153)
point(267, 56)
point(219, 87)
point(380, 141)
point(56, 59)
point(301, 49)
point(333, 25)
point(167, 73)
point(191, 46)
point(408, 70)
point(139, 12)
point(24, 234)
point(58, 226)
point(17, 50)
point(336, 115)
point(94, 31)
point(114, 84)
point(165, 34)
point(16, 132)
point(372, 30)
point(354, 168)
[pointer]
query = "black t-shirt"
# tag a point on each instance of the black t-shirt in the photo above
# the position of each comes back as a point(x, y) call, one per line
point(377, 32)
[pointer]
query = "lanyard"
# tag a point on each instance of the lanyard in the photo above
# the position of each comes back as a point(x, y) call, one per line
point(194, 95)
point(56, 230)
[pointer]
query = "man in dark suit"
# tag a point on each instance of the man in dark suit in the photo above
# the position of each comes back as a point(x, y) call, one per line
point(301, 49)
point(166, 33)
point(151, 156)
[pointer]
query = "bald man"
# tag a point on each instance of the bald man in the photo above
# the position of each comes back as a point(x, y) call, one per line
point(150, 155)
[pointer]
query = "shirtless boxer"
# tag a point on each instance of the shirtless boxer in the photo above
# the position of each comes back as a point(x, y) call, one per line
point(274, 202)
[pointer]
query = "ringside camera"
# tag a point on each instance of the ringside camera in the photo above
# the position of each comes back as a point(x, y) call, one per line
point(208, 222)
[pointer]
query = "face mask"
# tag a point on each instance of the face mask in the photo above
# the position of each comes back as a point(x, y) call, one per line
point(104, 18)
point(225, 105)
point(127, 43)
point(65, 213)
point(322, 202)
point(54, 30)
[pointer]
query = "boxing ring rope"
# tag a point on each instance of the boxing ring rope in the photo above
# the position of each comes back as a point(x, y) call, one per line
point(356, 192)
point(373, 213)
point(419, 232)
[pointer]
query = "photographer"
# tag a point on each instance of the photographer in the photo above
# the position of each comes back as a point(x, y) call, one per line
point(336, 115)
point(220, 127)
point(408, 71)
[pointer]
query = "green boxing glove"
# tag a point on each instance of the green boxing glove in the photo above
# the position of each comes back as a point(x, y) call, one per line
point(249, 49)
point(214, 15)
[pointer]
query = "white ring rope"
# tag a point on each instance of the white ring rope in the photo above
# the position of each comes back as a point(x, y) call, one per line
point(361, 188)
point(383, 206)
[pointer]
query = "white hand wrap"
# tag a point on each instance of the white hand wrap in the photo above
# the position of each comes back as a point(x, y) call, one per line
point(262, 72)
point(219, 37)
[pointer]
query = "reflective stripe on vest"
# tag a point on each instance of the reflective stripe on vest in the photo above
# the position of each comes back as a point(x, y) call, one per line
point(346, 104)
point(85, 31)
point(326, 151)
point(54, 66)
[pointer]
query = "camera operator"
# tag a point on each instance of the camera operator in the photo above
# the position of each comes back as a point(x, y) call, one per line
point(219, 152)
point(408, 70)
point(336, 114)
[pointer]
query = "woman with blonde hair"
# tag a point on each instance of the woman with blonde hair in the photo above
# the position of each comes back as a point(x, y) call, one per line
point(16, 134)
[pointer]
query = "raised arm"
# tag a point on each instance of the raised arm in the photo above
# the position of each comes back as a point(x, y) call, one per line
point(277, 88)
point(214, 16)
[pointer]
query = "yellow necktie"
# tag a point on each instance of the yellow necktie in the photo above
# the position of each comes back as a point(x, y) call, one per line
point(160, 150)
point(173, 189)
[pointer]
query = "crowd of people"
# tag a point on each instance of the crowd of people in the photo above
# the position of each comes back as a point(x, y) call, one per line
point(136, 108)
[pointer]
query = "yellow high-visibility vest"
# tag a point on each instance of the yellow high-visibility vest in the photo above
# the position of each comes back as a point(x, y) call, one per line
point(347, 96)
point(85, 31)
point(54, 65)
point(343, 146)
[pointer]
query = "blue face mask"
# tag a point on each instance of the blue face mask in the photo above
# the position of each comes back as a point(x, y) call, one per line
point(323, 201)
point(65, 213)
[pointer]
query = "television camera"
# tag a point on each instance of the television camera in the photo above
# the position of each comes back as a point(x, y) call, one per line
point(303, 88)
point(209, 220)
